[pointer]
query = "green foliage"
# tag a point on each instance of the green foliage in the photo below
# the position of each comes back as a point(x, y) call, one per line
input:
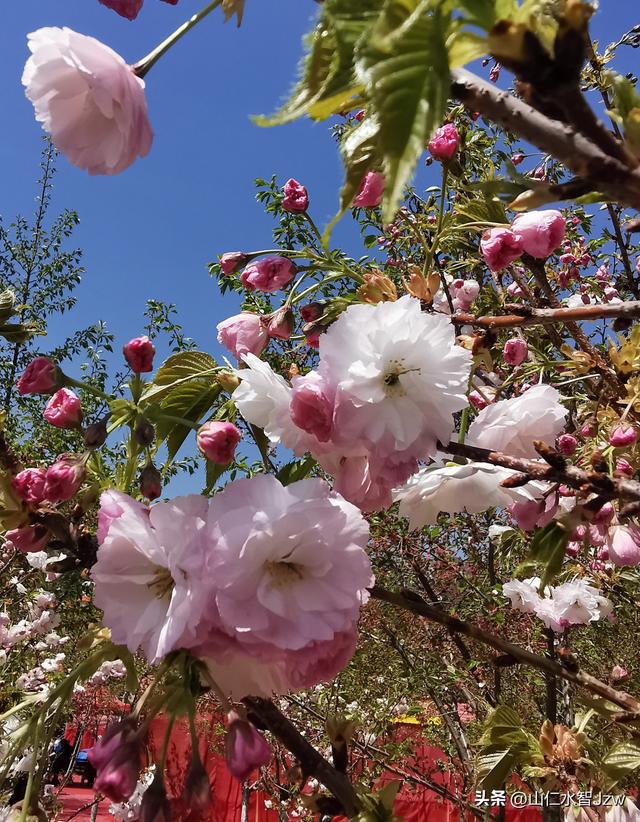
point(547, 553)
point(622, 759)
point(504, 746)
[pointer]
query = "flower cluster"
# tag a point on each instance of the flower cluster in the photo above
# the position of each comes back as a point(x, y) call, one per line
point(575, 602)
point(263, 582)
point(537, 233)
point(389, 381)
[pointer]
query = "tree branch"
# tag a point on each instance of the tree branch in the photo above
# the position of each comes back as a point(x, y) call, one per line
point(629, 310)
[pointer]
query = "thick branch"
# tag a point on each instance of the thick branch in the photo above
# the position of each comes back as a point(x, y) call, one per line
point(629, 310)
point(411, 601)
point(313, 764)
point(606, 174)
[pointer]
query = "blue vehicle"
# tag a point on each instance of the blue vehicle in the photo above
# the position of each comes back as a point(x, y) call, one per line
point(84, 768)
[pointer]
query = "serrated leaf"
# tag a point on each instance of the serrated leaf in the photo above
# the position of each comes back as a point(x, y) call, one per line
point(547, 553)
point(191, 401)
point(122, 413)
point(622, 759)
point(405, 67)
point(179, 369)
point(493, 769)
point(213, 473)
point(296, 470)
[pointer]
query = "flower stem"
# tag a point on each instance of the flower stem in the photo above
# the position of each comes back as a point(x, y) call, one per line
point(142, 66)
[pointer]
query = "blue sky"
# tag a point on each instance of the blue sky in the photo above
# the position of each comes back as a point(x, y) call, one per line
point(150, 231)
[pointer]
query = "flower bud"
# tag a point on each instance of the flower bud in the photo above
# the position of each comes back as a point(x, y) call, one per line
point(63, 409)
point(540, 232)
point(150, 482)
point(517, 158)
point(197, 788)
point(245, 749)
point(514, 290)
point(280, 324)
point(231, 261)
point(155, 806)
point(29, 485)
point(116, 757)
point(228, 381)
point(624, 545)
point(623, 435)
point(243, 334)
point(311, 407)
point(500, 247)
point(41, 376)
point(624, 467)
point(29, 539)
point(96, 434)
point(370, 192)
point(218, 440)
point(444, 143)
point(64, 478)
point(515, 351)
point(477, 400)
point(377, 288)
point(139, 353)
point(566, 444)
point(619, 673)
point(145, 432)
point(296, 197)
point(311, 312)
point(268, 274)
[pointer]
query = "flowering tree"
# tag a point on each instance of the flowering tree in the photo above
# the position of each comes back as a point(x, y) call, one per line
point(428, 453)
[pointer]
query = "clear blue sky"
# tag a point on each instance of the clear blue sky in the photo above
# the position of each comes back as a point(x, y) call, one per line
point(150, 231)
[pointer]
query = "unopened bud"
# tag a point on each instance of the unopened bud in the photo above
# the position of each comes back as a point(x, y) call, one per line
point(377, 288)
point(150, 482)
point(95, 434)
point(145, 432)
point(228, 381)
point(197, 788)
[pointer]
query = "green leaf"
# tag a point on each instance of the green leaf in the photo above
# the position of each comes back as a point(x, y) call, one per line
point(622, 759)
point(493, 769)
point(213, 473)
point(122, 413)
point(191, 401)
point(465, 47)
point(547, 553)
point(296, 470)
point(405, 67)
point(179, 369)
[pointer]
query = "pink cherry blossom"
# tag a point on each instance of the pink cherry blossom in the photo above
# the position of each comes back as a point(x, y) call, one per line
point(217, 441)
point(63, 409)
point(245, 749)
point(231, 261)
point(566, 444)
point(117, 759)
point(623, 435)
point(619, 673)
point(515, 351)
point(623, 543)
point(280, 324)
point(312, 401)
point(444, 143)
point(88, 99)
point(540, 232)
point(243, 334)
point(113, 504)
point(41, 376)
point(296, 197)
point(371, 189)
point(500, 247)
point(64, 478)
point(29, 485)
point(139, 353)
point(268, 274)
point(30, 539)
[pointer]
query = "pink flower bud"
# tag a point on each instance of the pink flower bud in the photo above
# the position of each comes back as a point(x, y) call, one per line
point(125, 8)
point(311, 312)
point(63, 409)
point(566, 444)
point(517, 158)
point(514, 290)
point(477, 400)
point(296, 197)
point(500, 247)
point(494, 74)
point(243, 334)
point(466, 293)
point(619, 673)
point(29, 539)
point(231, 261)
point(64, 478)
point(245, 749)
point(445, 143)
point(150, 482)
point(268, 274)
point(624, 467)
point(540, 232)
point(312, 338)
point(624, 545)
point(588, 429)
point(515, 351)
point(139, 353)
point(41, 376)
point(311, 406)
point(604, 514)
point(603, 554)
point(280, 324)
point(573, 549)
point(370, 192)
point(622, 435)
point(116, 757)
point(218, 440)
point(29, 485)
point(610, 293)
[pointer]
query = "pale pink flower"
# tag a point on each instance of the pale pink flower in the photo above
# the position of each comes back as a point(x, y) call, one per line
point(113, 504)
point(149, 575)
point(41, 376)
point(280, 324)
point(500, 247)
point(139, 353)
point(268, 274)
point(623, 542)
point(540, 232)
point(464, 294)
point(296, 197)
point(88, 99)
point(290, 565)
point(523, 594)
point(243, 334)
point(311, 405)
point(63, 409)
point(619, 673)
point(29, 485)
point(444, 143)
point(512, 425)
point(217, 441)
point(371, 190)
point(536, 513)
point(28, 540)
point(515, 351)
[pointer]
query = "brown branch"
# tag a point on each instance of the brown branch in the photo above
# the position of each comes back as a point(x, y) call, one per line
point(410, 601)
point(606, 174)
point(313, 764)
point(586, 481)
point(629, 310)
